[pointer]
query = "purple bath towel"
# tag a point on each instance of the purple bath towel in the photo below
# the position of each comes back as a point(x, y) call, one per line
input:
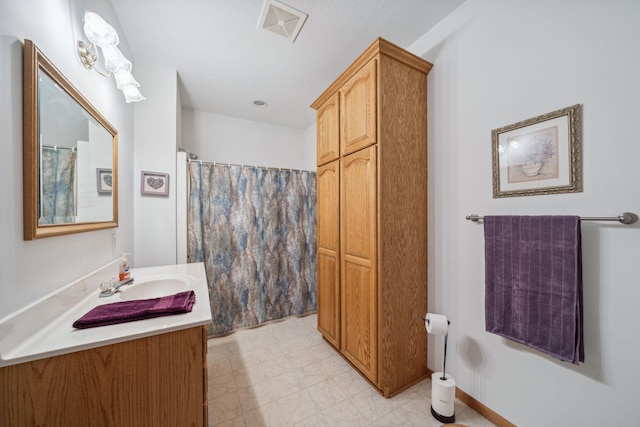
point(533, 278)
point(129, 311)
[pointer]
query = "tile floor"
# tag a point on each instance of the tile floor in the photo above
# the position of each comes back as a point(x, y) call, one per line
point(285, 374)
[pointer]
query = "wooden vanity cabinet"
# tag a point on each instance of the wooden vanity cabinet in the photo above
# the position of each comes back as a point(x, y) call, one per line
point(372, 216)
point(159, 380)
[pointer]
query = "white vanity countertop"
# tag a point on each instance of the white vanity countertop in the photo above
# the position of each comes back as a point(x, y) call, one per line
point(44, 328)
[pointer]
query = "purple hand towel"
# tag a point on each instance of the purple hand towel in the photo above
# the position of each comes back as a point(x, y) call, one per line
point(129, 311)
point(533, 279)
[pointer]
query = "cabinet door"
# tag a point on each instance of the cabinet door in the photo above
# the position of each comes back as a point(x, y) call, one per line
point(328, 138)
point(328, 232)
point(358, 261)
point(150, 381)
point(358, 110)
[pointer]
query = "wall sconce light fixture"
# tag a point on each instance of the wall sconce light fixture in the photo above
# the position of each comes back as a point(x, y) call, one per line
point(104, 36)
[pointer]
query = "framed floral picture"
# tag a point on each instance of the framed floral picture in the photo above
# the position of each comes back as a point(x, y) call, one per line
point(104, 180)
point(541, 155)
point(154, 183)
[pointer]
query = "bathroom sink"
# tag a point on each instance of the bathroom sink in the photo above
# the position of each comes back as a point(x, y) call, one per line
point(157, 286)
point(44, 328)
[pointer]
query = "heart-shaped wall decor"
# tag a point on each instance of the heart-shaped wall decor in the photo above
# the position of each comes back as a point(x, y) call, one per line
point(155, 183)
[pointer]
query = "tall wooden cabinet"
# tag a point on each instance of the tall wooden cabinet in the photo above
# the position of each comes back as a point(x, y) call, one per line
point(372, 216)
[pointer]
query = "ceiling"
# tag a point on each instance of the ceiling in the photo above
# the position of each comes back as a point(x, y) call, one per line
point(225, 62)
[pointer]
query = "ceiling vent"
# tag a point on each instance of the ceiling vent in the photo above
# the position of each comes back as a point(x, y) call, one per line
point(281, 19)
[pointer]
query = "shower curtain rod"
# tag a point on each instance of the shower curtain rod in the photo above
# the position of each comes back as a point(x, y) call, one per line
point(192, 156)
point(248, 166)
point(624, 218)
point(56, 148)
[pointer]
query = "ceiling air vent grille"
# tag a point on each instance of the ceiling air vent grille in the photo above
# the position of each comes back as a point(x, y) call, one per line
point(281, 19)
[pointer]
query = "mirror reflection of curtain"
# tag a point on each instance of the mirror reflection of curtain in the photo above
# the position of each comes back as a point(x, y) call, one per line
point(254, 228)
point(57, 186)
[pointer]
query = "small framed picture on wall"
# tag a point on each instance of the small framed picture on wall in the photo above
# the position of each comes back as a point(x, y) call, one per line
point(154, 183)
point(104, 180)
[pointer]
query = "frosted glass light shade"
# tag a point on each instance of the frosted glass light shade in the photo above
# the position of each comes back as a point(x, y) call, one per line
point(105, 36)
point(132, 94)
point(125, 79)
point(115, 61)
point(98, 31)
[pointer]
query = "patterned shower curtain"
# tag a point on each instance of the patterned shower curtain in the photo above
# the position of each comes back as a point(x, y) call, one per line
point(58, 192)
point(254, 229)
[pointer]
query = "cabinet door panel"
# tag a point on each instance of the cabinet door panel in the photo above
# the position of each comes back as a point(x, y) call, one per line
point(358, 261)
point(358, 110)
point(328, 138)
point(329, 296)
point(358, 198)
point(328, 261)
point(359, 331)
point(150, 381)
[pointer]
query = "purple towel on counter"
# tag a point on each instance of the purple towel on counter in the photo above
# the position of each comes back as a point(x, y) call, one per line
point(129, 311)
point(533, 278)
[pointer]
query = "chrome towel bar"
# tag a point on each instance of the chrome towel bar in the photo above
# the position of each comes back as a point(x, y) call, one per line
point(624, 218)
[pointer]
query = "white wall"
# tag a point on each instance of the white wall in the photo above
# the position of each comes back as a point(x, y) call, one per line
point(497, 62)
point(225, 139)
point(309, 148)
point(32, 269)
point(156, 129)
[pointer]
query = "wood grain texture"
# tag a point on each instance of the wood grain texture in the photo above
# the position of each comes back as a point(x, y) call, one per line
point(378, 47)
point(328, 258)
point(483, 410)
point(328, 131)
point(30, 137)
point(383, 250)
point(328, 265)
point(358, 111)
point(153, 381)
point(402, 222)
point(205, 377)
point(359, 313)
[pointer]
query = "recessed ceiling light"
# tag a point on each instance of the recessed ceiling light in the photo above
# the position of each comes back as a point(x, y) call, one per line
point(260, 104)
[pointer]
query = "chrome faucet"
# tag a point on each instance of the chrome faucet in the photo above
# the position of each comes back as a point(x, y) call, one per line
point(110, 287)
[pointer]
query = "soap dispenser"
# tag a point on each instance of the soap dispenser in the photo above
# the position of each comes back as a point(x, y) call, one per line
point(124, 268)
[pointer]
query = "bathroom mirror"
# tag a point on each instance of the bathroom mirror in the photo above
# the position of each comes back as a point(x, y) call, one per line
point(70, 163)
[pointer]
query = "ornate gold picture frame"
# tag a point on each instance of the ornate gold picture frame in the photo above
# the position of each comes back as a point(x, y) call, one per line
point(541, 155)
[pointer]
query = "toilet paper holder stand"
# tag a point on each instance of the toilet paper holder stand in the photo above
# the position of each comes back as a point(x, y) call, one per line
point(444, 363)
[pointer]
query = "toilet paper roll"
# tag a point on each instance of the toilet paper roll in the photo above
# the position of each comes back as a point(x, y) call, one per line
point(443, 390)
point(443, 394)
point(436, 324)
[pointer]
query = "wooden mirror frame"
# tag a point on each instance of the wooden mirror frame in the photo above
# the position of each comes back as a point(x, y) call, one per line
point(34, 60)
